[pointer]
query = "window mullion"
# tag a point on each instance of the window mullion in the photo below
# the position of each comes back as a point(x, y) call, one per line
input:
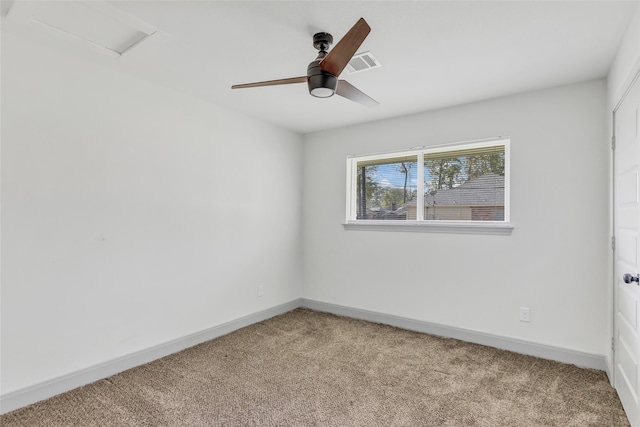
point(420, 188)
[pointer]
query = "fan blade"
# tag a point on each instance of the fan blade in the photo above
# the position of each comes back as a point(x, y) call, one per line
point(349, 91)
point(302, 79)
point(341, 54)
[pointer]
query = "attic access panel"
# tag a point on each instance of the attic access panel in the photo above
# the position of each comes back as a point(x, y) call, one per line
point(96, 24)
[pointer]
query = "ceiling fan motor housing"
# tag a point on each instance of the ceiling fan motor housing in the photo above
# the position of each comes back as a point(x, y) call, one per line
point(321, 83)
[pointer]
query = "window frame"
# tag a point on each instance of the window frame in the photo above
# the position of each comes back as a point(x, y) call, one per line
point(420, 223)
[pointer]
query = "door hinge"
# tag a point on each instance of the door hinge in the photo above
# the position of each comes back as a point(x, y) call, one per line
point(613, 343)
point(613, 142)
point(613, 243)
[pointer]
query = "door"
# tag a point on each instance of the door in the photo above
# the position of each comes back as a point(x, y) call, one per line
point(626, 157)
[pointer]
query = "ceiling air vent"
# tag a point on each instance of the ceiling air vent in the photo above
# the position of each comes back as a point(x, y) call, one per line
point(362, 62)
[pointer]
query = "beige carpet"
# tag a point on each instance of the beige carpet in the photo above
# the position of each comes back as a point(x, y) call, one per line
point(313, 369)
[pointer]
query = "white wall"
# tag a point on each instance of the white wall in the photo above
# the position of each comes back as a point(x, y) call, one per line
point(623, 69)
point(132, 215)
point(626, 60)
point(555, 261)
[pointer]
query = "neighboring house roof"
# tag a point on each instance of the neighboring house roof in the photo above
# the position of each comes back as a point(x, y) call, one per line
point(486, 190)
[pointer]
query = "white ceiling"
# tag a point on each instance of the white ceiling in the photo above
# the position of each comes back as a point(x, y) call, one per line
point(434, 54)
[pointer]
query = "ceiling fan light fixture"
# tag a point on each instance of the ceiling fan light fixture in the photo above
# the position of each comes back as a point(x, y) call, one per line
point(322, 85)
point(322, 92)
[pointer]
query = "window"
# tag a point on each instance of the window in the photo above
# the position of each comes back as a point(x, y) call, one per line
point(386, 187)
point(462, 184)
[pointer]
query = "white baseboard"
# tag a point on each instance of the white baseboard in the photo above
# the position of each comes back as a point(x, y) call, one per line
point(579, 358)
point(28, 395)
point(44, 390)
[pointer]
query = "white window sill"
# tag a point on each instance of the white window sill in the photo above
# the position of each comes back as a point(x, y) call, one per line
point(452, 227)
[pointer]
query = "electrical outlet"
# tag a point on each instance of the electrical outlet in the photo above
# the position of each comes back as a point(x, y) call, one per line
point(260, 290)
point(524, 314)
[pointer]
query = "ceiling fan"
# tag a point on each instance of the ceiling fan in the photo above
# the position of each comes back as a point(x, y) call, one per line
point(322, 74)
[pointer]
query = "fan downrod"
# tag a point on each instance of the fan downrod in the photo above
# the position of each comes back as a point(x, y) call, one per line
point(322, 41)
